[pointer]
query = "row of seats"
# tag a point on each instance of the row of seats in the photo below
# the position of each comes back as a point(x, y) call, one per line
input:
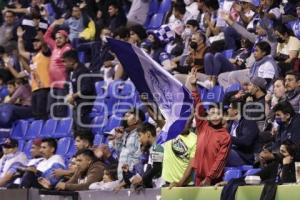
point(238, 172)
point(55, 128)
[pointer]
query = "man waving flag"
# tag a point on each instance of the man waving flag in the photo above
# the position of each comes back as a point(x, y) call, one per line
point(172, 98)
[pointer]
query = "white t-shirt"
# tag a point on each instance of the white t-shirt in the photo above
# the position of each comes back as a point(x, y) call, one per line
point(7, 161)
point(47, 164)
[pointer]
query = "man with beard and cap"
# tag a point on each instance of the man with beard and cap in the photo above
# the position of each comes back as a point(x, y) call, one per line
point(213, 142)
point(127, 140)
point(82, 85)
point(57, 69)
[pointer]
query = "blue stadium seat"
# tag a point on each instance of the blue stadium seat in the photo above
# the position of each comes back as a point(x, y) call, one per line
point(81, 56)
point(72, 150)
point(228, 53)
point(165, 6)
point(27, 148)
point(153, 8)
point(215, 95)
point(19, 129)
point(99, 86)
point(21, 144)
point(64, 128)
point(113, 122)
point(156, 21)
point(245, 168)
point(49, 128)
point(97, 124)
point(231, 174)
point(63, 145)
point(252, 171)
point(99, 139)
point(34, 130)
point(234, 87)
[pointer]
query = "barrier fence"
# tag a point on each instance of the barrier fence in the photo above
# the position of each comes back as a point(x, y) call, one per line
point(284, 192)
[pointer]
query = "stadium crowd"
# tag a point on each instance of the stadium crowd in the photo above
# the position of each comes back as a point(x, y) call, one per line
point(248, 50)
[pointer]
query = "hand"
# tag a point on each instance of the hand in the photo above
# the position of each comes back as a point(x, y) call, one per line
point(220, 184)
point(58, 173)
point(60, 186)
point(266, 156)
point(31, 169)
point(82, 5)
point(268, 98)
point(125, 168)
point(58, 22)
point(70, 99)
point(137, 180)
point(207, 18)
point(44, 182)
point(225, 16)
point(119, 132)
point(174, 184)
point(205, 182)
point(287, 160)
point(192, 77)
point(20, 32)
point(237, 7)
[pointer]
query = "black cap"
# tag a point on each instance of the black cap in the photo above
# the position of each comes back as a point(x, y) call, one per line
point(10, 143)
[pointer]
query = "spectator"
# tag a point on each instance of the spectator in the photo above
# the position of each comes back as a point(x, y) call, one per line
point(284, 162)
point(107, 156)
point(82, 87)
point(11, 87)
point(137, 34)
point(288, 48)
point(152, 174)
point(213, 143)
point(292, 83)
point(57, 71)
point(71, 168)
point(78, 23)
point(244, 136)
point(83, 140)
point(32, 24)
point(288, 122)
point(277, 96)
point(10, 161)
point(108, 183)
point(7, 28)
point(257, 90)
point(117, 17)
point(88, 171)
point(22, 94)
point(36, 158)
point(177, 154)
point(126, 139)
point(138, 12)
point(295, 25)
point(180, 13)
point(264, 67)
point(3, 89)
point(40, 176)
point(38, 72)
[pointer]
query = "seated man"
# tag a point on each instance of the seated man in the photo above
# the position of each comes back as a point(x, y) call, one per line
point(10, 161)
point(107, 156)
point(83, 140)
point(88, 171)
point(40, 175)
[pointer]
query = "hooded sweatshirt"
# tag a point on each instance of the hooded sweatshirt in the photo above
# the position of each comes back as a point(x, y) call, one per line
point(213, 146)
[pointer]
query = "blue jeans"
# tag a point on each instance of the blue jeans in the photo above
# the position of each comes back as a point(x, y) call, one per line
point(216, 64)
point(234, 159)
point(231, 38)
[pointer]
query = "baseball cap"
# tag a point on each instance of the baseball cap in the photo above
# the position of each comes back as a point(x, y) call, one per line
point(259, 82)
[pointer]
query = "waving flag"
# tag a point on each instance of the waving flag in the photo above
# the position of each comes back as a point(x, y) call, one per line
point(172, 98)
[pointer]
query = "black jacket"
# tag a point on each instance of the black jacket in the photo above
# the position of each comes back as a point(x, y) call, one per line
point(246, 139)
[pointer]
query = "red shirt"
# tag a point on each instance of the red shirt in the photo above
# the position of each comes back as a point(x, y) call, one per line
point(213, 146)
point(57, 71)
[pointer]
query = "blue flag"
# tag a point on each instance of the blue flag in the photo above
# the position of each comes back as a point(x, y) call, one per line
point(172, 98)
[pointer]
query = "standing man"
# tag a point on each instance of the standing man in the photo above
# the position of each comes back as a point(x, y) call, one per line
point(57, 71)
point(79, 77)
point(213, 143)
